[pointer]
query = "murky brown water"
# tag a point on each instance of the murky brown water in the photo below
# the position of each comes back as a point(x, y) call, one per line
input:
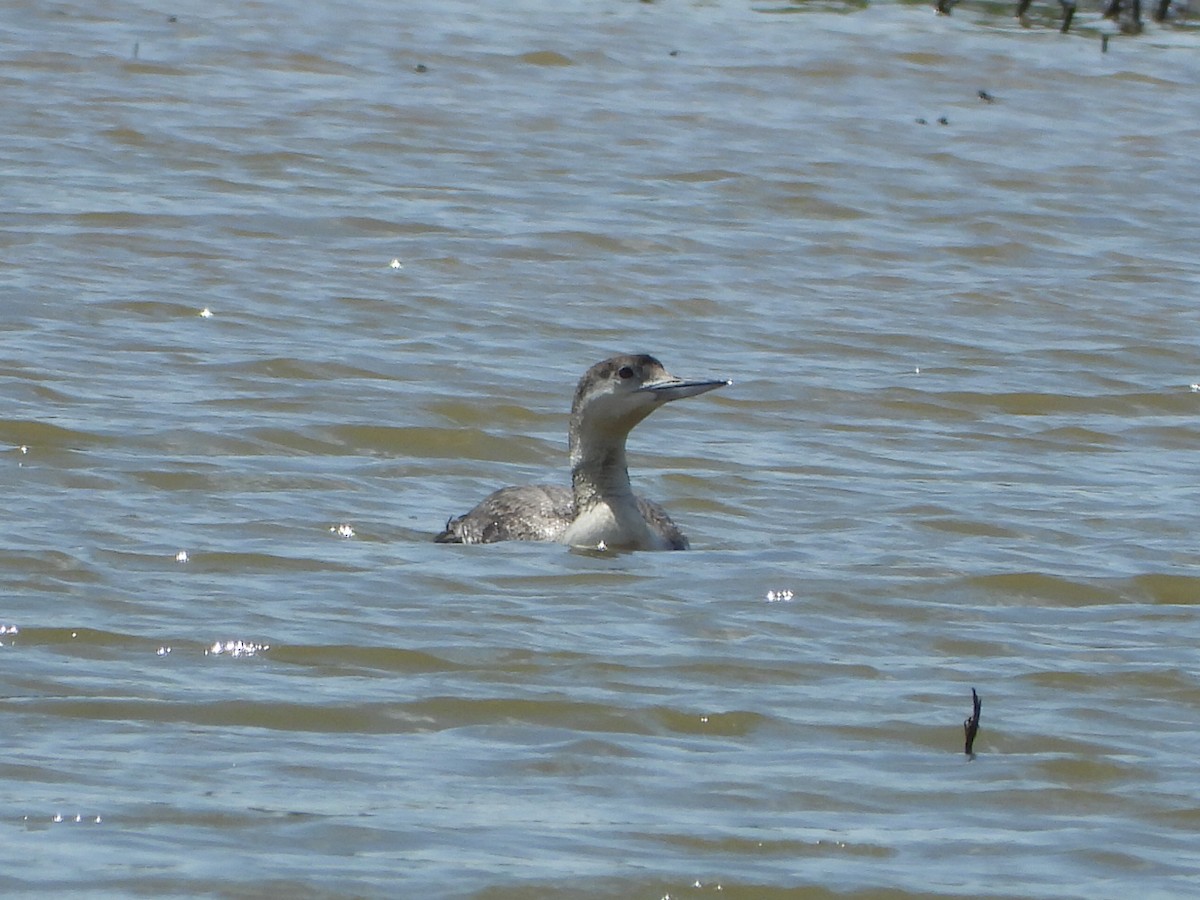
point(960, 451)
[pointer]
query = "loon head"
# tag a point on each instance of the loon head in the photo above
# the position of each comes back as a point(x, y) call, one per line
point(614, 395)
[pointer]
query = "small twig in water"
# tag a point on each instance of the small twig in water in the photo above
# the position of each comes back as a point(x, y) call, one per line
point(971, 725)
point(1068, 14)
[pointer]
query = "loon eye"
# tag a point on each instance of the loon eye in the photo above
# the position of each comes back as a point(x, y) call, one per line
point(625, 373)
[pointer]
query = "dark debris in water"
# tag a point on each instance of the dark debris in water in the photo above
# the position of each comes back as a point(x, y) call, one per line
point(1127, 14)
point(971, 725)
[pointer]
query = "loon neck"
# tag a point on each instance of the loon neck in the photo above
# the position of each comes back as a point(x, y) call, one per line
point(597, 479)
point(599, 471)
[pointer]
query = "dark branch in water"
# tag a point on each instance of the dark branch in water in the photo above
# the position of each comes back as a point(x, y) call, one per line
point(971, 725)
point(1068, 14)
point(1126, 13)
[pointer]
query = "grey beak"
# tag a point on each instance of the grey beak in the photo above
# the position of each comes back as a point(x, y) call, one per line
point(677, 388)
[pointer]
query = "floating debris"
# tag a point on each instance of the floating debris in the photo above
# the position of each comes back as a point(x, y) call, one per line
point(206, 313)
point(971, 725)
point(1127, 14)
point(344, 530)
point(181, 556)
point(782, 596)
point(162, 651)
point(395, 264)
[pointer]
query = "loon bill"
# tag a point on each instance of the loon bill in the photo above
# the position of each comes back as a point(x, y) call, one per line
point(600, 510)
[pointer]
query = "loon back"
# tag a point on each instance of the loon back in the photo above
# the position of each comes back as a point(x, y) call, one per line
point(526, 512)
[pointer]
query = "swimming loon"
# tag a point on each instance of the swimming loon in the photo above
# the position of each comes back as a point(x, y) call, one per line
point(600, 511)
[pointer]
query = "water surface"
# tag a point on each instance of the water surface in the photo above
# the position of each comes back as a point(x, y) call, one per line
point(960, 451)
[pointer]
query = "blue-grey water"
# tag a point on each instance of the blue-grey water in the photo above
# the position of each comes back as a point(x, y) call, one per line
point(285, 285)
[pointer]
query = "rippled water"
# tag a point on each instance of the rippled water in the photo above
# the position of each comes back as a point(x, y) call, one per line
point(960, 451)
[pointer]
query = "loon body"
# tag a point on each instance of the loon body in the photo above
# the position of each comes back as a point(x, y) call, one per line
point(599, 510)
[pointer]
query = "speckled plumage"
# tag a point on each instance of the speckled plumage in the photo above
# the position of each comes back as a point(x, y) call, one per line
point(538, 512)
point(525, 512)
point(600, 509)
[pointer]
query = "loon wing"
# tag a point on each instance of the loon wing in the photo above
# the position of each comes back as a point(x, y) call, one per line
point(527, 512)
point(661, 522)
